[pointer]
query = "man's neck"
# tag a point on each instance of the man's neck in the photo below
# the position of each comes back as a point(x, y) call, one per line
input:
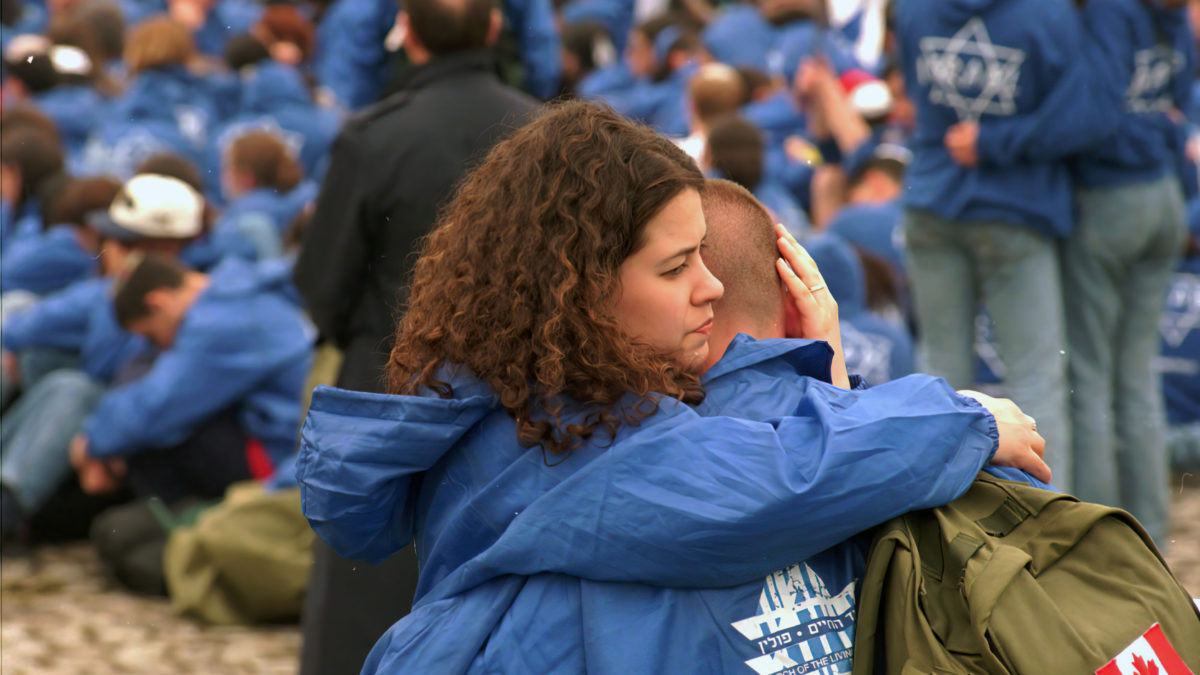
point(726, 327)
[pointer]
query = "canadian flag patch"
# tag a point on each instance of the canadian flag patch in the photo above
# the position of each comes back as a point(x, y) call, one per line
point(1150, 654)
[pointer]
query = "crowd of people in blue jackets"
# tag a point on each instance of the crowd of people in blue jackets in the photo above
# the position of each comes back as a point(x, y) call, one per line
point(185, 142)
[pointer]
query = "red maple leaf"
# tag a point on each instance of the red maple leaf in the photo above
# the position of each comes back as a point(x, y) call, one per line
point(1142, 668)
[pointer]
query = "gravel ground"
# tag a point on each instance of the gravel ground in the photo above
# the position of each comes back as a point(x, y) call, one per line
point(59, 616)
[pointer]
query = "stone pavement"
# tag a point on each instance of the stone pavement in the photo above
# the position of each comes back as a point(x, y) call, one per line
point(59, 616)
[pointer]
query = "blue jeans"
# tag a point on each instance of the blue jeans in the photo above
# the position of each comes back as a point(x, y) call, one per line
point(1116, 267)
point(1013, 273)
point(12, 303)
point(36, 433)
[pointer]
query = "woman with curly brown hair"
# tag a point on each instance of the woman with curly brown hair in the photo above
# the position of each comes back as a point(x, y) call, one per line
point(539, 445)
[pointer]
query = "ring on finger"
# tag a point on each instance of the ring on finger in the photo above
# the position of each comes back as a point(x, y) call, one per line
point(818, 287)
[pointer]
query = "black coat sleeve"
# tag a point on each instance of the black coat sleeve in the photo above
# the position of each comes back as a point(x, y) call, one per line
point(331, 269)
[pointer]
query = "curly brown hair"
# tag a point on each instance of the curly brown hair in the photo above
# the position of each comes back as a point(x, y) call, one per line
point(518, 279)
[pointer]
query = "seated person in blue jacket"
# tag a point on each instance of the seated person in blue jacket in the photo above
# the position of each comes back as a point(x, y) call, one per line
point(1179, 360)
point(68, 347)
point(539, 446)
point(222, 401)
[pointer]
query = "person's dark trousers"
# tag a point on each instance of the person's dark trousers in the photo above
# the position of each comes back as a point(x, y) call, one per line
point(350, 604)
point(130, 540)
point(203, 466)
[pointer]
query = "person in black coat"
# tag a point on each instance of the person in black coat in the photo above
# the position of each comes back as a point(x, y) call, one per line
point(391, 169)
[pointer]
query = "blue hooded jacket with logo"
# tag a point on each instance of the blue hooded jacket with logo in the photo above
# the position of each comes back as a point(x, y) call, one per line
point(1150, 57)
point(1023, 69)
point(164, 109)
point(527, 567)
point(244, 344)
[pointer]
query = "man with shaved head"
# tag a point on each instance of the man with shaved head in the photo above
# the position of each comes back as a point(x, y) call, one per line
point(392, 167)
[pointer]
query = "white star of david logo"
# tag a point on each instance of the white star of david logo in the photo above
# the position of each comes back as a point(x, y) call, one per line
point(1181, 315)
point(967, 62)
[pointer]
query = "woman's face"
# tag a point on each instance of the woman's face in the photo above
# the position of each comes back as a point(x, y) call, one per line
point(666, 292)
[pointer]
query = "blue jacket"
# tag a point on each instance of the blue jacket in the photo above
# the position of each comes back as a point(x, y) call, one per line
point(604, 82)
point(250, 227)
point(874, 348)
point(162, 110)
point(74, 109)
point(226, 19)
point(1181, 345)
point(615, 15)
point(786, 209)
point(1041, 103)
point(1149, 55)
point(741, 36)
point(350, 60)
point(875, 228)
point(274, 98)
point(17, 223)
point(662, 105)
point(532, 24)
point(244, 344)
point(804, 39)
point(45, 263)
point(778, 116)
point(516, 554)
point(79, 318)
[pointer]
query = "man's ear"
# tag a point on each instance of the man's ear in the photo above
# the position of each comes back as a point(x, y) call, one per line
point(497, 23)
point(791, 315)
point(159, 299)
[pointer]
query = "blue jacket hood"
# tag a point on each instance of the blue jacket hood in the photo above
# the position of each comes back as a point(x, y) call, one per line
point(843, 271)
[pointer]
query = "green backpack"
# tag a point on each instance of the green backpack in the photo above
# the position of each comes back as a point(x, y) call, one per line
point(1009, 578)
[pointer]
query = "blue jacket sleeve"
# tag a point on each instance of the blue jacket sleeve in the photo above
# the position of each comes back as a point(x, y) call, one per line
point(532, 22)
point(209, 369)
point(1082, 107)
point(59, 320)
point(45, 263)
point(687, 501)
point(352, 62)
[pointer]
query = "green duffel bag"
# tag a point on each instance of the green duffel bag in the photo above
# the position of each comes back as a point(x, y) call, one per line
point(245, 560)
point(1009, 578)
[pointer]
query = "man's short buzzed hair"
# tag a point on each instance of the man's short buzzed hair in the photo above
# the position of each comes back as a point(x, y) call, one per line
point(740, 249)
point(448, 26)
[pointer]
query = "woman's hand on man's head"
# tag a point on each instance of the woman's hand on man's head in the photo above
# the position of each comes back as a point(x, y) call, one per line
point(816, 312)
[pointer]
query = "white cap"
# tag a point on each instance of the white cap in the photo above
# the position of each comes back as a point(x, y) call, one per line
point(871, 99)
point(69, 60)
point(150, 206)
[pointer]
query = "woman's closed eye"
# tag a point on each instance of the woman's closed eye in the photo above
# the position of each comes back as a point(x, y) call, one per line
point(676, 271)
